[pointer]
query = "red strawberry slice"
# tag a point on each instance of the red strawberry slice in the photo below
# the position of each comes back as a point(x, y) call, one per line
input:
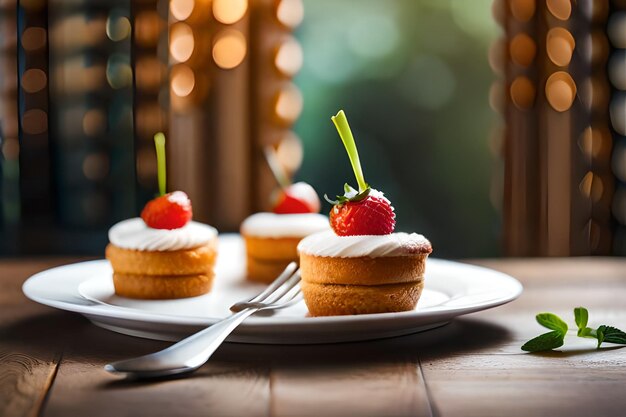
point(372, 215)
point(170, 211)
point(297, 198)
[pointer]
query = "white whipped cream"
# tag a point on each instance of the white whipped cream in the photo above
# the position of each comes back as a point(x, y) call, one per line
point(284, 225)
point(395, 244)
point(134, 234)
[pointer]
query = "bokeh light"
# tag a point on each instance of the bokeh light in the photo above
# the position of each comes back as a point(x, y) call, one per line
point(181, 9)
point(229, 11)
point(34, 38)
point(561, 9)
point(522, 93)
point(34, 80)
point(290, 12)
point(560, 46)
point(288, 104)
point(288, 59)
point(181, 42)
point(229, 49)
point(35, 121)
point(522, 10)
point(522, 49)
point(560, 91)
point(182, 80)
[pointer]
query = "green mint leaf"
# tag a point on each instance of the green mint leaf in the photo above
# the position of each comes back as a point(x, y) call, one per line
point(613, 335)
point(587, 332)
point(581, 316)
point(546, 341)
point(552, 322)
point(600, 335)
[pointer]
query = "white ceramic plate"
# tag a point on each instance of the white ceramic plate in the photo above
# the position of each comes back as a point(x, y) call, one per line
point(452, 289)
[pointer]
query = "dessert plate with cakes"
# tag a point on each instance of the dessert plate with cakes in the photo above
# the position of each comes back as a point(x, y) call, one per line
point(167, 277)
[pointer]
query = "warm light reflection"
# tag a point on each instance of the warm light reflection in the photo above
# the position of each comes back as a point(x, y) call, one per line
point(96, 166)
point(498, 56)
point(560, 46)
point(181, 9)
point(497, 96)
point(560, 91)
point(35, 121)
point(181, 42)
point(591, 186)
point(182, 80)
point(147, 28)
point(290, 12)
point(94, 122)
point(289, 152)
point(595, 142)
point(34, 38)
point(34, 80)
point(522, 10)
point(561, 9)
point(288, 59)
point(229, 11)
point(522, 93)
point(288, 104)
point(148, 73)
point(229, 49)
point(522, 49)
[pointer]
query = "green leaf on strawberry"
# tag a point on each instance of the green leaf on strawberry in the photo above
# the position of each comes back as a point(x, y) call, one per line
point(362, 211)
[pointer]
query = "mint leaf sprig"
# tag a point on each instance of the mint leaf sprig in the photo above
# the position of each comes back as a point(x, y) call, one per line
point(556, 337)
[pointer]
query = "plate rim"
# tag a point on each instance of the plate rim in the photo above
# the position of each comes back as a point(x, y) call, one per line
point(126, 313)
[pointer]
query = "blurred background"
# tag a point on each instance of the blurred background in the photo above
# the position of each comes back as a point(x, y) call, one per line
point(494, 127)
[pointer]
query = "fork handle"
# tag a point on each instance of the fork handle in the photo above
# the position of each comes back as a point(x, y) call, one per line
point(199, 347)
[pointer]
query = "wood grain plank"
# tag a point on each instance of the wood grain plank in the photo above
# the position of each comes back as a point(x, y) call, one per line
point(395, 389)
point(24, 383)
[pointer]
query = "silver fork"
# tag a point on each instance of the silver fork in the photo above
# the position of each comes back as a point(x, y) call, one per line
point(192, 352)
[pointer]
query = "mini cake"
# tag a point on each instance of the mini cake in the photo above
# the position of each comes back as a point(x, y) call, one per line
point(362, 274)
point(272, 240)
point(361, 266)
point(163, 254)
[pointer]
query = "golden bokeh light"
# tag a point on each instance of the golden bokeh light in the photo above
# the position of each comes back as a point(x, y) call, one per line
point(591, 186)
point(288, 58)
point(522, 49)
point(11, 149)
point(229, 11)
point(148, 73)
point(290, 12)
point(560, 91)
point(34, 80)
point(181, 42)
point(498, 55)
point(182, 80)
point(147, 28)
point(497, 96)
point(560, 46)
point(34, 38)
point(289, 152)
point(522, 10)
point(96, 166)
point(35, 121)
point(522, 93)
point(595, 142)
point(288, 104)
point(561, 9)
point(181, 9)
point(229, 49)
point(94, 122)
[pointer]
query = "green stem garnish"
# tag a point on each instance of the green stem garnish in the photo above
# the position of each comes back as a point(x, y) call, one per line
point(341, 123)
point(277, 170)
point(159, 143)
point(556, 337)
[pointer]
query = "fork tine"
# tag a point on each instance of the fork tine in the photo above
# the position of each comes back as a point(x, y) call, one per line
point(282, 278)
point(283, 289)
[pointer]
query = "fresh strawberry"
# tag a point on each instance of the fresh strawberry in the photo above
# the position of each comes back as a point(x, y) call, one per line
point(297, 198)
point(373, 215)
point(364, 211)
point(169, 211)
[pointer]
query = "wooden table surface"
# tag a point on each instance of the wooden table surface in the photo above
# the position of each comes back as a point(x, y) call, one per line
point(51, 361)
